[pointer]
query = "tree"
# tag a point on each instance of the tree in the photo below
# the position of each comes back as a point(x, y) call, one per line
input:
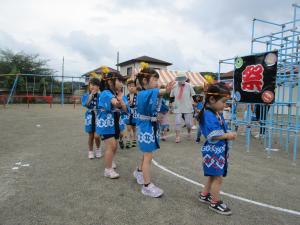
point(21, 62)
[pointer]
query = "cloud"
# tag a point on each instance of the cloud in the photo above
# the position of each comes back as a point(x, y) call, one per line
point(91, 47)
point(191, 34)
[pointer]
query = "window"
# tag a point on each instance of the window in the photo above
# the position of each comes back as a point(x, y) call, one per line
point(129, 70)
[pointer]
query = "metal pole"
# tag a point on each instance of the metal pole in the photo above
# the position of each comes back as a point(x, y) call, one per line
point(12, 89)
point(62, 81)
point(118, 55)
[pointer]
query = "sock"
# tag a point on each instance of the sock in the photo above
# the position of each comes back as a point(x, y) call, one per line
point(214, 200)
point(146, 185)
point(204, 193)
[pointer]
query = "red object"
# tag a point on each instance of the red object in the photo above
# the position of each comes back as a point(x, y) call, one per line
point(253, 78)
point(267, 96)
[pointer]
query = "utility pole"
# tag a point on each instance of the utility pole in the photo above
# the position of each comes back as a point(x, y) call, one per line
point(62, 81)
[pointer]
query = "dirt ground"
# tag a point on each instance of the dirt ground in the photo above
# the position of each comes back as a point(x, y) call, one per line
point(46, 178)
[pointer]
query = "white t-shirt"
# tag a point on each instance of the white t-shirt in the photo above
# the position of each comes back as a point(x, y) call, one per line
point(185, 104)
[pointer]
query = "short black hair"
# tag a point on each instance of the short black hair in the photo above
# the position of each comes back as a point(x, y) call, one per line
point(95, 81)
point(146, 73)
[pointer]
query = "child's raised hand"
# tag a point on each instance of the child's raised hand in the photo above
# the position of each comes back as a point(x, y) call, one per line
point(231, 135)
point(119, 95)
point(170, 86)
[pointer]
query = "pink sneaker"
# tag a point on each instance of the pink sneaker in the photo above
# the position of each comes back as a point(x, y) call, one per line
point(111, 173)
point(91, 155)
point(98, 153)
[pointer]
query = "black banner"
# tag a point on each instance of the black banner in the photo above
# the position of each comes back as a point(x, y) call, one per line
point(255, 78)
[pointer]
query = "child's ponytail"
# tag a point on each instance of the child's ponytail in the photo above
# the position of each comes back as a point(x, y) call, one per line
point(199, 118)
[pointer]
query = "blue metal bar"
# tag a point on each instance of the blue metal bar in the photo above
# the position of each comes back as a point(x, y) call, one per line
point(264, 21)
point(12, 90)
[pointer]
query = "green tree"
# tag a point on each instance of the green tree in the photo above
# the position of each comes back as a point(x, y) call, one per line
point(21, 62)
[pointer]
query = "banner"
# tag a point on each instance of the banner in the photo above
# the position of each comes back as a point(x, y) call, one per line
point(255, 78)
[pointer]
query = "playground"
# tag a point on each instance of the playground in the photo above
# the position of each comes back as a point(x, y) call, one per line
point(46, 178)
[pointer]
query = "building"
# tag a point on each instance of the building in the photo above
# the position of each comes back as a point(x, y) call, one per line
point(132, 66)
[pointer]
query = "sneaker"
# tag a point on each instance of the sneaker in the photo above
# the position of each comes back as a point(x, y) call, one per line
point(98, 153)
point(128, 144)
point(220, 208)
point(121, 144)
point(198, 140)
point(204, 198)
point(257, 136)
point(177, 139)
point(113, 165)
point(194, 127)
point(133, 143)
point(111, 173)
point(152, 191)
point(139, 176)
point(91, 155)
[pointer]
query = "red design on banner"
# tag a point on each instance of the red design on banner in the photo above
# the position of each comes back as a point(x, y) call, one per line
point(252, 78)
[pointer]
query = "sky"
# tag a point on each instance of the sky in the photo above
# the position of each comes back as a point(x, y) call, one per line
point(192, 34)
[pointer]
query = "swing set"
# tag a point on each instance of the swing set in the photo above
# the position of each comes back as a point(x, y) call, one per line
point(31, 94)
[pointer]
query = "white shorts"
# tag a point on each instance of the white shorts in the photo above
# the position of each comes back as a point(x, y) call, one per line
point(187, 118)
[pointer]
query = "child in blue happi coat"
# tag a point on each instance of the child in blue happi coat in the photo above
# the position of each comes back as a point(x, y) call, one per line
point(132, 115)
point(164, 125)
point(147, 126)
point(198, 108)
point(124, 115)
point(90, 101)
point(110, 103)
point(215, 148)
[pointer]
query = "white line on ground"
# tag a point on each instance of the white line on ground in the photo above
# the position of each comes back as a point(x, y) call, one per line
point(224, 193)
point(228, 194)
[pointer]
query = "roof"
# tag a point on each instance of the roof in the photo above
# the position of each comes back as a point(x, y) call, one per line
point(146, 59)
point(227, 75)
point(166, 76)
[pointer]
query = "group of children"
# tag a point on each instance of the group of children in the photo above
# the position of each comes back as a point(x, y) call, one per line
point(145, 114)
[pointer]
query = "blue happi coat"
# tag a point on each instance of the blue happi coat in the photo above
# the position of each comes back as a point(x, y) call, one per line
point(90, 114)
point(131, 119)
point(147, 126)
point(214, 153)
point(124, 115)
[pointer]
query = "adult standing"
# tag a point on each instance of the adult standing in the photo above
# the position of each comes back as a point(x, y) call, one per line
point(181, 101)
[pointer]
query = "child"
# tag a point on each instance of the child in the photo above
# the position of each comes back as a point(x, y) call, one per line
point(110, 103)
point(123, 119)
point(215, 148)
point(198, 109)
point(147, 126)
point(131, 122)
point(163, 118)
point(90, 101)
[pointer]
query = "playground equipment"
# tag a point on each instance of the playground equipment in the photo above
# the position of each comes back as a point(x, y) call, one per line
point(42, 88)
point(280, 119)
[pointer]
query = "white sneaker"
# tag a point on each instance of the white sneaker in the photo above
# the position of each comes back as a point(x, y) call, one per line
point(98, 153)
point(152, 191)
point(139, 176)
point(194, 127)
point(111, 173)
point(257, 136)
point(113, 165)
point(91, 155)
